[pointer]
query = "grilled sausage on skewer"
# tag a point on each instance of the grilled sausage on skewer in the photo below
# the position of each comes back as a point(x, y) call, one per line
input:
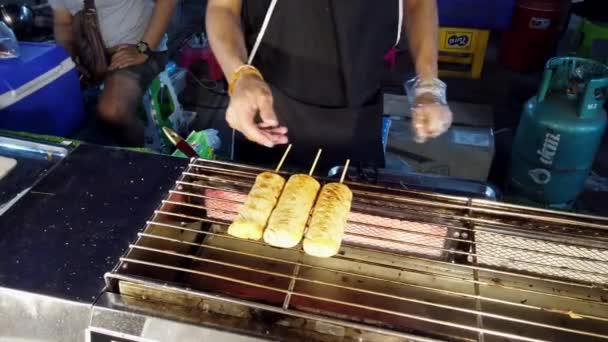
point(326, 229)
point(288, 220)
point(261, 200)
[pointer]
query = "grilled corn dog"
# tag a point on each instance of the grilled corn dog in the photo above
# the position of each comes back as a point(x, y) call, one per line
point(326, 229)
point(288, 220)
point(254, 214)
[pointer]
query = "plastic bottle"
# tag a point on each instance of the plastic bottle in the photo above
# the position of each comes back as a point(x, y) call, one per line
point(9, 46)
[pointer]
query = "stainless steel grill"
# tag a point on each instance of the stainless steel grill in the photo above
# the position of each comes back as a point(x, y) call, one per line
point(412, 266)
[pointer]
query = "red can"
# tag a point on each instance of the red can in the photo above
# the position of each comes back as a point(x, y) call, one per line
point(533, 35)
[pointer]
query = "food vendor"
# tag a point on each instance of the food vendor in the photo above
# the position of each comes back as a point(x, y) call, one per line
point(309, 72)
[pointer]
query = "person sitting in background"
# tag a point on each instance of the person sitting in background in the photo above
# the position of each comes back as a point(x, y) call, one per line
point(133, 32)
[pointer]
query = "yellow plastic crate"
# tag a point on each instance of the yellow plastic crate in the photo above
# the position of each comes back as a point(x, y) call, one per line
point(465, 46)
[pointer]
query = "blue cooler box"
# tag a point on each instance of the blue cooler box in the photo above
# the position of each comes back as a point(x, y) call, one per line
point(481, 14)
point(40, 91)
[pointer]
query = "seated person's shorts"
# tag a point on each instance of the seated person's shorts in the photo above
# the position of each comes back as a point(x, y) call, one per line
point(146, 72)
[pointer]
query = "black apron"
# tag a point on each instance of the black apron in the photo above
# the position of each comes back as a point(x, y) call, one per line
point(323, 60)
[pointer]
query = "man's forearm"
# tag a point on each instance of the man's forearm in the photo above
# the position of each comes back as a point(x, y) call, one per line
point(422, 29)
point(226, 34)
point(65, 37)
point(159, 23)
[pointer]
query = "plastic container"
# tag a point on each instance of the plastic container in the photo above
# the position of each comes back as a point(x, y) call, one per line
point(483, 14)
point(559, 133)
point(192, 54)
point(593, 41)
point(40, 91)
point(527, 45)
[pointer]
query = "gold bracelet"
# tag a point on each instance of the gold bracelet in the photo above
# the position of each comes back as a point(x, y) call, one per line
point(239, 72)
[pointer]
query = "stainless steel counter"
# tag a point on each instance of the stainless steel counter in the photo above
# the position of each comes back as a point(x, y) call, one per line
point(60, 238)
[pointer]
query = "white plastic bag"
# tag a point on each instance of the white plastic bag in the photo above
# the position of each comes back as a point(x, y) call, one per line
point(9, 46)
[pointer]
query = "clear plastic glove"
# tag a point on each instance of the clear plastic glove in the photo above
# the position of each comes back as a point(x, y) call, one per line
point(251, 112)
point(431, 115)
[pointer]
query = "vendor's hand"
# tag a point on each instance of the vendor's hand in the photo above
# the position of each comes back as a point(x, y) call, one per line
point(252, 97)
point(126, 56)
point(430, 118)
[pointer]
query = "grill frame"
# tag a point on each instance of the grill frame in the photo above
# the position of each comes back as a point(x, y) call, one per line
point(464, 216)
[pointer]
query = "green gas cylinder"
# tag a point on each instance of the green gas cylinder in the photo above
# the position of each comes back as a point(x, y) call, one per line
point(559, 133)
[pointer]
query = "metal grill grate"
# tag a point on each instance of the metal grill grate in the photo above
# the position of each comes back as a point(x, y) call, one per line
point(536, 256)
point(412, 264)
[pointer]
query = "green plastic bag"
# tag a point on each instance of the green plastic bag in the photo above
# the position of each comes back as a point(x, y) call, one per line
point(162, 109)
point(203, 142)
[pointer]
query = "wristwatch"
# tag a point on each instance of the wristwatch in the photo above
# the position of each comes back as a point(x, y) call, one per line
point(143, 47)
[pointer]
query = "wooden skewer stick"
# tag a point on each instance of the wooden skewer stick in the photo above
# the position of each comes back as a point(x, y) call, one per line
point(345, 171)
point(314, 164)
point(283, 158)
